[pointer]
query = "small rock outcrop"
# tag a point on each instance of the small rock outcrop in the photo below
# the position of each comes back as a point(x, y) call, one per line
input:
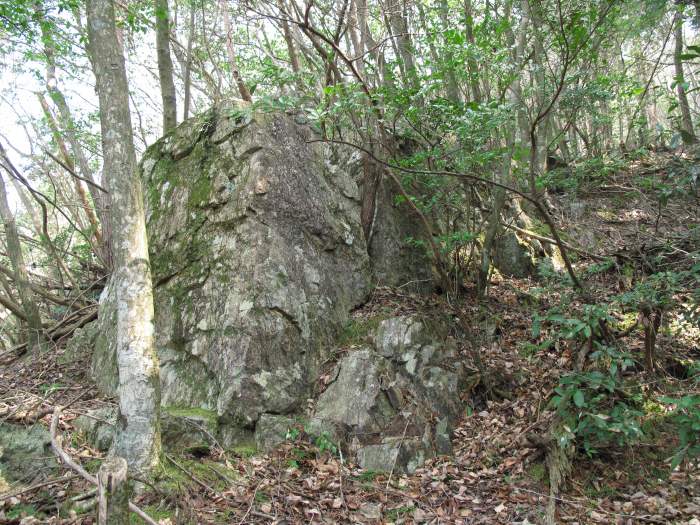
point(394, 404)
point(518, 255)
point(514, 256)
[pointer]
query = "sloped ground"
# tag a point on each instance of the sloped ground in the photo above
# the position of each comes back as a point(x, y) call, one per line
point(497, 475)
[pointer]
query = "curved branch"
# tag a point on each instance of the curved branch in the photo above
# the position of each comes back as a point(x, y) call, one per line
point(63, 455)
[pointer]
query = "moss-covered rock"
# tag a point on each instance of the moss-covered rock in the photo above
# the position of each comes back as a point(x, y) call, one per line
point(98, 426)
point(25, 452)
point(257, 256)
point(514, 256)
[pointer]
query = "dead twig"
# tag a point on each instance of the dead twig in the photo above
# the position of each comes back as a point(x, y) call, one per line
point(36, 486)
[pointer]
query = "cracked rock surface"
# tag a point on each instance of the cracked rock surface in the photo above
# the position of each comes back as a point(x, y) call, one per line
point(257, 255)
point(394, 404)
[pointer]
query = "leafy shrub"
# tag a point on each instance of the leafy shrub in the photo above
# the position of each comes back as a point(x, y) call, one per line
point(597, 406)
point(686, 416)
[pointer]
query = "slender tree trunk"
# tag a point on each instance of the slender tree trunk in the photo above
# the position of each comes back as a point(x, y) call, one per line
point(188, 66)
point(77, 184)
point(686, 119)
point(67, 124)
point(452, 87)
point(499, 200)
point(231, 50)
point(289, 40)
point(353, 29)
point(165, 66)
point(138, 436)
point(367, 42)
point(38, 230)
point(30, 308)
point(398, 25)
point(472, 66)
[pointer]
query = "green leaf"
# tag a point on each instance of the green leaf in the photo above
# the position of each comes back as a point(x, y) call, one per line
point(579, 399)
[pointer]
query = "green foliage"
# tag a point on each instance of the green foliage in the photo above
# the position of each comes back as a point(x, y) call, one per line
point(325, 443)
point(398, 512)
point(666, 291)
point(21, 510)
point(596, 408)
point(686, 416)
point(585, 326)
point(582, 175)
point(367, 476)
point(356, 331)
point(293, 434)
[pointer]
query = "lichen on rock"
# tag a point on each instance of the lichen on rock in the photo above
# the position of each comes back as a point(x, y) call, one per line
point(394, 404)
point(257, 255)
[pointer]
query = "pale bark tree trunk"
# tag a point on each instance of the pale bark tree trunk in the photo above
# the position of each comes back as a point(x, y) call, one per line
point(67, 124)
point(686, 119)
point(138, 436)
point(232, 59)
point(188, 66)
point(452, 86)
point(165, 66)
point(30, 308)
point(77, 184)
point(353, 29)
point(38, 231)
point(289, 40)
point(472, 66)
point(504, 177)
point(398, 25)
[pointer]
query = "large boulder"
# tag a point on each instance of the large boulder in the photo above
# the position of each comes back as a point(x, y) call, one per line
point(257, 256)
point(394, 404)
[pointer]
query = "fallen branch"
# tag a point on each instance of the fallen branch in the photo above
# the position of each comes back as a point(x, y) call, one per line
point(548, 240)
point(57, 332)
point(63, 456)
point(43, 484)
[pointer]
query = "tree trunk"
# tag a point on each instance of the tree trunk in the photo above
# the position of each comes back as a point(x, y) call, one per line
point(499, 200)
point(289, 40)
point(113, 492)
point(14, 252)
point(398, 25)
point(452, 87)
point(77, 184)
point(188, 67)
point(686, 119)
point(65, 118)
point(472, 66)
point(165, 66)
point(233, 61)
point(138, 436)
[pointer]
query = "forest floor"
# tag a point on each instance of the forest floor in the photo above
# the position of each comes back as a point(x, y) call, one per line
point(496, 474)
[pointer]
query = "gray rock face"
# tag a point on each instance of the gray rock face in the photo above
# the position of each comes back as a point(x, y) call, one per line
point(394, 261)
point(257, 256)
point(97, 339)
point(394, 404)
point(271, 430)
point(180, 428)
point(98, 426)
point(25, 452)
point(513, 256)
